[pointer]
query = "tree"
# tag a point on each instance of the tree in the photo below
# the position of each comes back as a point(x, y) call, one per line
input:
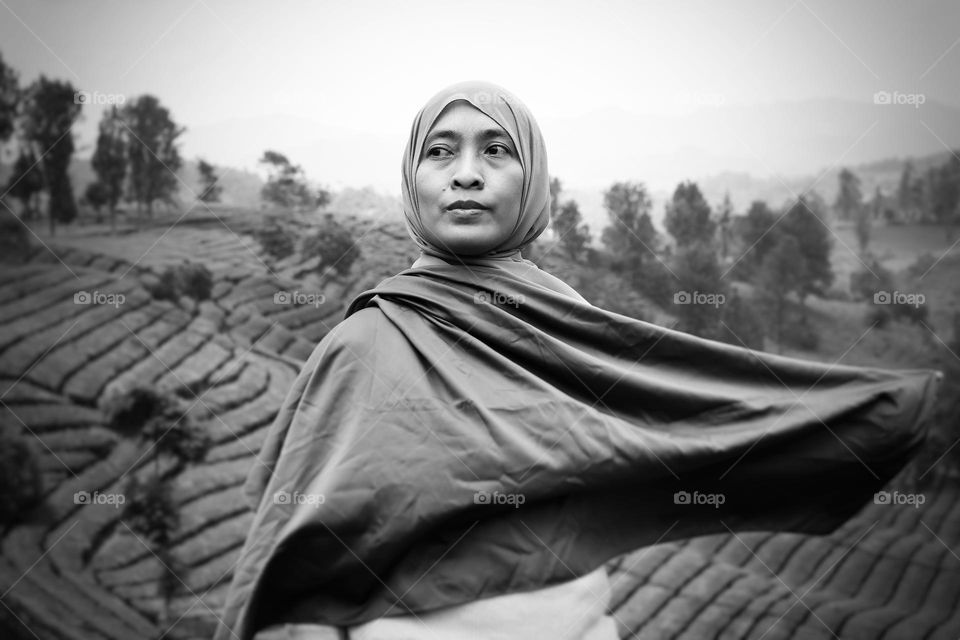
point(26, 181)
point(49, 113)
point(97, 197)
point(630, 237)
point(813, 240)
point(286, 186)
point(567, 222)
point(688, 217)
point(9, 100)
point(781, 273)
point(703, 292)
point(758, 236)
point(849, 198)
point(210, 190)
point(109, 160)
point(151, 151)
point(863, 220)
point(725, 224)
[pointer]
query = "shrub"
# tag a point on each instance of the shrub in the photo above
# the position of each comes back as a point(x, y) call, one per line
point(276, 240)
point(150, 509)
point(14, 243)
point(333, 244)
point(128, 411)
point(190, 279)
point(864, 284)
point(21, 484)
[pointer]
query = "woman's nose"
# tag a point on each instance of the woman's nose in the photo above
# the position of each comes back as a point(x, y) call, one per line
point(466, 173)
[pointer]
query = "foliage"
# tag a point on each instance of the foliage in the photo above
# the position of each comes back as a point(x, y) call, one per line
point(9, 99)
point(333, 244)
point(805, 223)
point(152, 151)
point(21, 483)
point(781, 273)
point(756, 231)
point(741, 325)
point(150, 509)
point(287, 187)
point(849, 197)
point(210, 190)
point(688, 217)
point(276, 240)
point(630, 238)
point(128, 411)
point(25, 181)
point(567, 223)
point(865, 283)
point(191, 279)
point(699, 274)
point(109, 159)
point(49, 113)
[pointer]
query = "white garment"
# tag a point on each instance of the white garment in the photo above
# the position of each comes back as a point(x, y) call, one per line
point(574, 610)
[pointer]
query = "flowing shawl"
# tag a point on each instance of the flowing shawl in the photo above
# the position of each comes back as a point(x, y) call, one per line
point(451, 391)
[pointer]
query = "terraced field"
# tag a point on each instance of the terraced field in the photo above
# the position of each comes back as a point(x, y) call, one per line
point(74, 570)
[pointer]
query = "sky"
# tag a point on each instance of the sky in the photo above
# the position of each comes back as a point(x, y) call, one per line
point(340, 83)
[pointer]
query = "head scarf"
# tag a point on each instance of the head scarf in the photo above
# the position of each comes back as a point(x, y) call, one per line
point(515, 118)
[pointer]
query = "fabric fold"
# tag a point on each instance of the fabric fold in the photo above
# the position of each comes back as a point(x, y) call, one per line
point(469, 432)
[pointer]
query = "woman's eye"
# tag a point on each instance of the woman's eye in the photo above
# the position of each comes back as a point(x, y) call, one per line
point(436, 152)
point(503, 149)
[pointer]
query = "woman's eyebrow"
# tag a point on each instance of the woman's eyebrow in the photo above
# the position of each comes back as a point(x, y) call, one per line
point(455, 135)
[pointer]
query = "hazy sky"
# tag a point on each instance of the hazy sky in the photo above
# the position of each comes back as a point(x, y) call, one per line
point(369, 66)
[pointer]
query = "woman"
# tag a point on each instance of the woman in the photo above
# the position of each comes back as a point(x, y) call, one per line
point(476, 440)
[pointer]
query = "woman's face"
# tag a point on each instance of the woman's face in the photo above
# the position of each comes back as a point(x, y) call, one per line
point(469, 181)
